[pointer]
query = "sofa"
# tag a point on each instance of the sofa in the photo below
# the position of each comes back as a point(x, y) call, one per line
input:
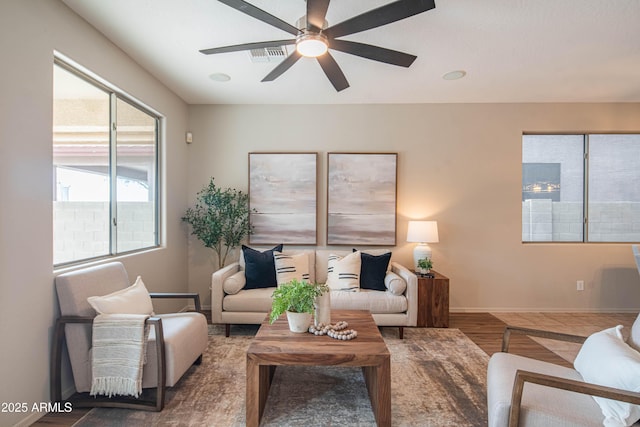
point(392, 303)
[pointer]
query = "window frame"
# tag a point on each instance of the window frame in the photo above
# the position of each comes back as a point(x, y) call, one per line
point(116, 94)
point(585, 185)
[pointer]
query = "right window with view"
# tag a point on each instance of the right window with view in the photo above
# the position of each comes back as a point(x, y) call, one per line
point(581, 188)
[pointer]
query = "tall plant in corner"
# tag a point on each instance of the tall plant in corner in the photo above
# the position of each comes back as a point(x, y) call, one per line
point(220, 219)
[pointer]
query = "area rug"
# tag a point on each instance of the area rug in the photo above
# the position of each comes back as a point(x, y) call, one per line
point(438, 378)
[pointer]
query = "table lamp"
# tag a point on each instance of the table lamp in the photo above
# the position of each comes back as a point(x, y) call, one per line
point(422, 232)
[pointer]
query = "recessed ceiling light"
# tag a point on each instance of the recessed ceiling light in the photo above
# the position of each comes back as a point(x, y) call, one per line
point(454, 75)
point(220, 77)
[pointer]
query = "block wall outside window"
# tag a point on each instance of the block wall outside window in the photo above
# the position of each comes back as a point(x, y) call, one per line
point(603, 170)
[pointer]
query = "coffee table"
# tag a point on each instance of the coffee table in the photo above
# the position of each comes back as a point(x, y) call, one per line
point(274, 345)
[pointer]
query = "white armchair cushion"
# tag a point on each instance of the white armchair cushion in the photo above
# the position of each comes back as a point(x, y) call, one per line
point(394, 283)
point(234, 283)
point(132, 300)
point(605, 359)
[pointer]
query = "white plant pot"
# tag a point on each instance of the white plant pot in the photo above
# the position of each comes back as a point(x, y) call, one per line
point(323, 309)
point(299, 322)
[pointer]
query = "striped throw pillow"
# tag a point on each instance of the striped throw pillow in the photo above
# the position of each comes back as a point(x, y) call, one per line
point(289, 267)
point(343, 273)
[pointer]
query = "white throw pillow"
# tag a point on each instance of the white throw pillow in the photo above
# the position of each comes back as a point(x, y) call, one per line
point(605, 359)
point(634, 338)
point(289, 267)
point(343, 273)
point(394, 283)
point(234, 283)
point(132, 300)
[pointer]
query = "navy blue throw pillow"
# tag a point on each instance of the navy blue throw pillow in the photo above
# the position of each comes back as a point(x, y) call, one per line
point(259, 268)
point(373, 271)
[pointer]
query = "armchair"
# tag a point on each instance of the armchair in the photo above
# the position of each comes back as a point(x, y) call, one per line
point(176, 341)
point(554, 395)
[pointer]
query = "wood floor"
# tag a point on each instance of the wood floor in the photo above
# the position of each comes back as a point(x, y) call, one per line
point(485, 330)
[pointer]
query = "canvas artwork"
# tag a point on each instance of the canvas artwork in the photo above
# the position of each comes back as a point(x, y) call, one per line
point(361, 199)
point(283, 198)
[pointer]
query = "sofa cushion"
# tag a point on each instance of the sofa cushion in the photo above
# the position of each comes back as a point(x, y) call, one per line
point(132, 300)
point(322, 262)
point(366, 299)
point(605, 359)
point(291, 266)
point(260, 271)
point(343, 273)
point(234, 283)
point(249, 300)
point(394, 283)
point(373, 270)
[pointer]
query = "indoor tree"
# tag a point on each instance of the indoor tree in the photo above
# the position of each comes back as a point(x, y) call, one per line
point(220, 219)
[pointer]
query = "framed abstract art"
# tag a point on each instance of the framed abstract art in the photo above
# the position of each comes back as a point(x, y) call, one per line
point(283, 198)
point(361, 198)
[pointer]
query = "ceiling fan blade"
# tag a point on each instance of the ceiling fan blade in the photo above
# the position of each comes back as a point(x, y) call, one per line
point(247, 46)
point(383, 15)
point(375, 53)
point(316, 12)
point(261, 15)
point(333, 71)
point(282, 67)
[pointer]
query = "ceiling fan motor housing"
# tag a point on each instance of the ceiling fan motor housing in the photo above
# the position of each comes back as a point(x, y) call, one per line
point(301, 23)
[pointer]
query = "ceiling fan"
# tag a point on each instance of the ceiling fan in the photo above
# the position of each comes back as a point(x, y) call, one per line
point(314, 38)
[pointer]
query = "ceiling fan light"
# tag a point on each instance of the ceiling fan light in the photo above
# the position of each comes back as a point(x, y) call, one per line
point(312, 45)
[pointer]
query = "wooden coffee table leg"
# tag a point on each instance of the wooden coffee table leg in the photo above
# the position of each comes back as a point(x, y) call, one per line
point(252, 401)
point(378, 380)
point(258, 383)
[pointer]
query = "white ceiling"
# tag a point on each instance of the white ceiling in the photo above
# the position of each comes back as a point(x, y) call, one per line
point(512, 51)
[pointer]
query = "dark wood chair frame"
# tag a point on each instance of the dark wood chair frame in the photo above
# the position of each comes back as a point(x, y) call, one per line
point(523, 377)
point(84, 399)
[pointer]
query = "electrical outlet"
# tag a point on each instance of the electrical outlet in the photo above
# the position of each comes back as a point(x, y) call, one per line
point(580, 285)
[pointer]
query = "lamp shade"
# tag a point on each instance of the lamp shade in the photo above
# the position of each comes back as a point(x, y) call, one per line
point(422, 232)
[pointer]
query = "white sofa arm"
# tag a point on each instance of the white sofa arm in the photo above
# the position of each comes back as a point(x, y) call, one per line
point(217, 293)
point(411, 293)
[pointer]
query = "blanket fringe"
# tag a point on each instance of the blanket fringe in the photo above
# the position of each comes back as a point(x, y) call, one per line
point(111, 386)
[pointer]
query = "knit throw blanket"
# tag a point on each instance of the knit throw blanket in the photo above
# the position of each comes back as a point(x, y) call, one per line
point(119, 347)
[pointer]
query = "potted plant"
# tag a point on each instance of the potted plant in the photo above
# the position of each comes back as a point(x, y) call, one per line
point(297, 299)
point(220, 219)
point(425, 265)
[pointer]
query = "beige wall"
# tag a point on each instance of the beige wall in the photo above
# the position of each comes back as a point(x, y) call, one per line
point(459, 164)
point(29, 33)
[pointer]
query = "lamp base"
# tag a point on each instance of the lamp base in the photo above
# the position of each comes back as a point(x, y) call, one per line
point(421, 251)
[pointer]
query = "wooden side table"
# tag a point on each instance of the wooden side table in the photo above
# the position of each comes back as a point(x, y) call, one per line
point(433, 301)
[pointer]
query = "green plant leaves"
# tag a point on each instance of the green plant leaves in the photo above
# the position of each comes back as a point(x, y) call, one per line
point(295, 296)
point(219, 218)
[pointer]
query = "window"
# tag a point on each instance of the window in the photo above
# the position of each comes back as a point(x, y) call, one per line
point(581, 188)
point(105, 161)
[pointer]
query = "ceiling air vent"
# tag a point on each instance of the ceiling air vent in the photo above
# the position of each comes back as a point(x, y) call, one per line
point(268, 54)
